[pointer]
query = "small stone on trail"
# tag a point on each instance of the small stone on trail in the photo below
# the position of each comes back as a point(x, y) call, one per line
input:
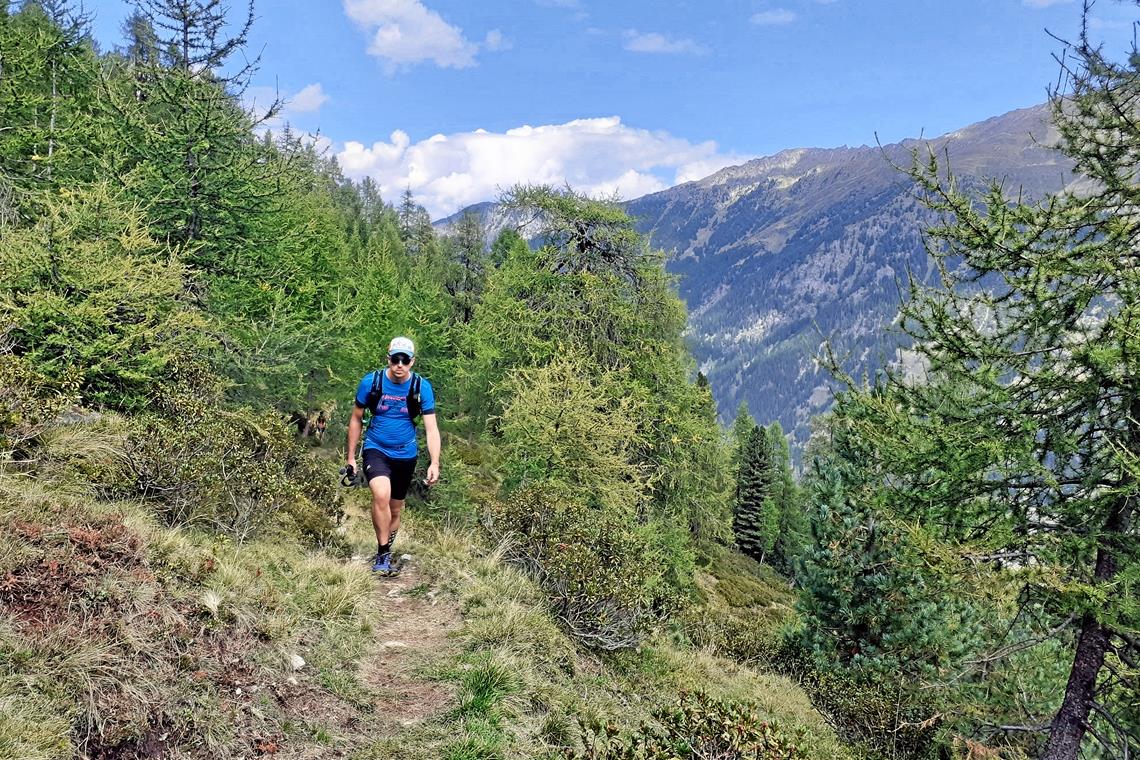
point(388, 646)
point(296, 661)
point(394, 592)
point(291, 681)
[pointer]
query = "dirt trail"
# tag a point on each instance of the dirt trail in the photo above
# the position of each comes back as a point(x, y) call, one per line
point(413, 631)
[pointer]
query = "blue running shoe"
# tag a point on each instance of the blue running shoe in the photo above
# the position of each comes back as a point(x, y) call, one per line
point(382, 564)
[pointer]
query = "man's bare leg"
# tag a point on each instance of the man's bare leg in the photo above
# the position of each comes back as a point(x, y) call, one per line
point(381, 488)
point(395, 506)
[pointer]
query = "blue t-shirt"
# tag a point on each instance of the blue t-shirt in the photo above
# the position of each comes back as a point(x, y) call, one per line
point(391, 431)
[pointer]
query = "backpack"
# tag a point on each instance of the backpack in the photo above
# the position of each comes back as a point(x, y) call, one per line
point(415, 400)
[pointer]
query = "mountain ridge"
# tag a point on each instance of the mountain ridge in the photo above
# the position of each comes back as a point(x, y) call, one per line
point(781, 253)
point(776, 255)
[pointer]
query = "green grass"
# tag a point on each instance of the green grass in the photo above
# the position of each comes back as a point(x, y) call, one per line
point(163, 623)
point(133, 630)
point(523, 683)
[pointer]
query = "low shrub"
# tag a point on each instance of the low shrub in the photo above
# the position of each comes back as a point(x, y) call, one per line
point(235, 472)
point(695, 726)
point(743, 608)
point(450, 497)
point(601, 574)
point(29, 402)
point(871, 711)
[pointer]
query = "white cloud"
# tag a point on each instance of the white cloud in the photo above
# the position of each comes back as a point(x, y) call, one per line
point(405, 32)
point(1103, 24)
point(598, 156)
point(1043, 3)
point(495, 41)
point(308, 100)
point(652, 42)
point(774, 17)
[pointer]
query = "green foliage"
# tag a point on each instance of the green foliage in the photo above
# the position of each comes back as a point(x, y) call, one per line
point(595, 287)
point(231, 471)
point(868, 606)
point(584, 235)
point(87, 292)
point(185, 145)
point(281, 298)
point(29, 403)
point(756, 518)
point(1016, 449)
point(509, 242)
point(792, 523)
point(605, 579)
point(467, 269)
point(743, 607)
point(688, 458)
point(46, 95)
point(696, 726)
point(742, 425)
point(768, 519)
point(880, 717)
point(565, 427)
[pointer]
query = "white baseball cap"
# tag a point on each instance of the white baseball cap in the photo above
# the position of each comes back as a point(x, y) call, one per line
point(402, 345)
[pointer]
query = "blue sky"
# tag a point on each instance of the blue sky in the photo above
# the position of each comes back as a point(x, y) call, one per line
point(459, 98)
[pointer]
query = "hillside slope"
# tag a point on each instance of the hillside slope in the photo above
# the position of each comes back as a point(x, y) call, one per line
point(122, 638)
point(780, 253)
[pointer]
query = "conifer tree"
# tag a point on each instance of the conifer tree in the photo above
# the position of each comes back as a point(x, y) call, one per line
point(1021, 445)
point(415, 226)
point(186, 147)
point(791, 530)
point(867, 606)
point(595, 284)
point(46, 92)
point(506, 240)
point(756, 518)
point(468, 246)
point(742, 426)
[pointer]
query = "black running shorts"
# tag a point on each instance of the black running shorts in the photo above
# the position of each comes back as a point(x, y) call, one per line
point(399, 471)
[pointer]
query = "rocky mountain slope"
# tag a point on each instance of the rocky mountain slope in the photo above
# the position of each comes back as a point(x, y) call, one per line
point(779, 254)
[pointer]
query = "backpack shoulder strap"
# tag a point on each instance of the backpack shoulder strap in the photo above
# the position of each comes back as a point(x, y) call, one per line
point(415, 400)
point(374, 392)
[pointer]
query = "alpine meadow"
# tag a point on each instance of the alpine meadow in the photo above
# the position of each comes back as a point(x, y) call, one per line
point(609, 566)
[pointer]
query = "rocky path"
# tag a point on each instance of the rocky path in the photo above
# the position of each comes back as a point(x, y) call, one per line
point(413, 631)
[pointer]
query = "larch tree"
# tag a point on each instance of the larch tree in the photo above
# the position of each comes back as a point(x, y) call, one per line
point(189, 152)
point(1020, 447)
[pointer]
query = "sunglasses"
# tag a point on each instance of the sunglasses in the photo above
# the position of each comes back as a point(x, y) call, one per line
point(400, 359)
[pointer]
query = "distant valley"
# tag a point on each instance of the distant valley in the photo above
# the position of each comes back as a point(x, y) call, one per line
point(779, 254)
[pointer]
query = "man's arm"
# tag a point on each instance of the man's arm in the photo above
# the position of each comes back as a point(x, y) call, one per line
point(355, 425)
point(431, 431)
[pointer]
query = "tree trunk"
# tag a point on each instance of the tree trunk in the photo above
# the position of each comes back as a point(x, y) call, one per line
point(1071, 721)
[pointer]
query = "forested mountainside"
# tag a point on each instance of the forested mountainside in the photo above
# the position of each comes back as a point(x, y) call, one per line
point(781, 253)
point(602, 571)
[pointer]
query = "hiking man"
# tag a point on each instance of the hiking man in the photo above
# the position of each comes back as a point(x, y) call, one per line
point(395, 396)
